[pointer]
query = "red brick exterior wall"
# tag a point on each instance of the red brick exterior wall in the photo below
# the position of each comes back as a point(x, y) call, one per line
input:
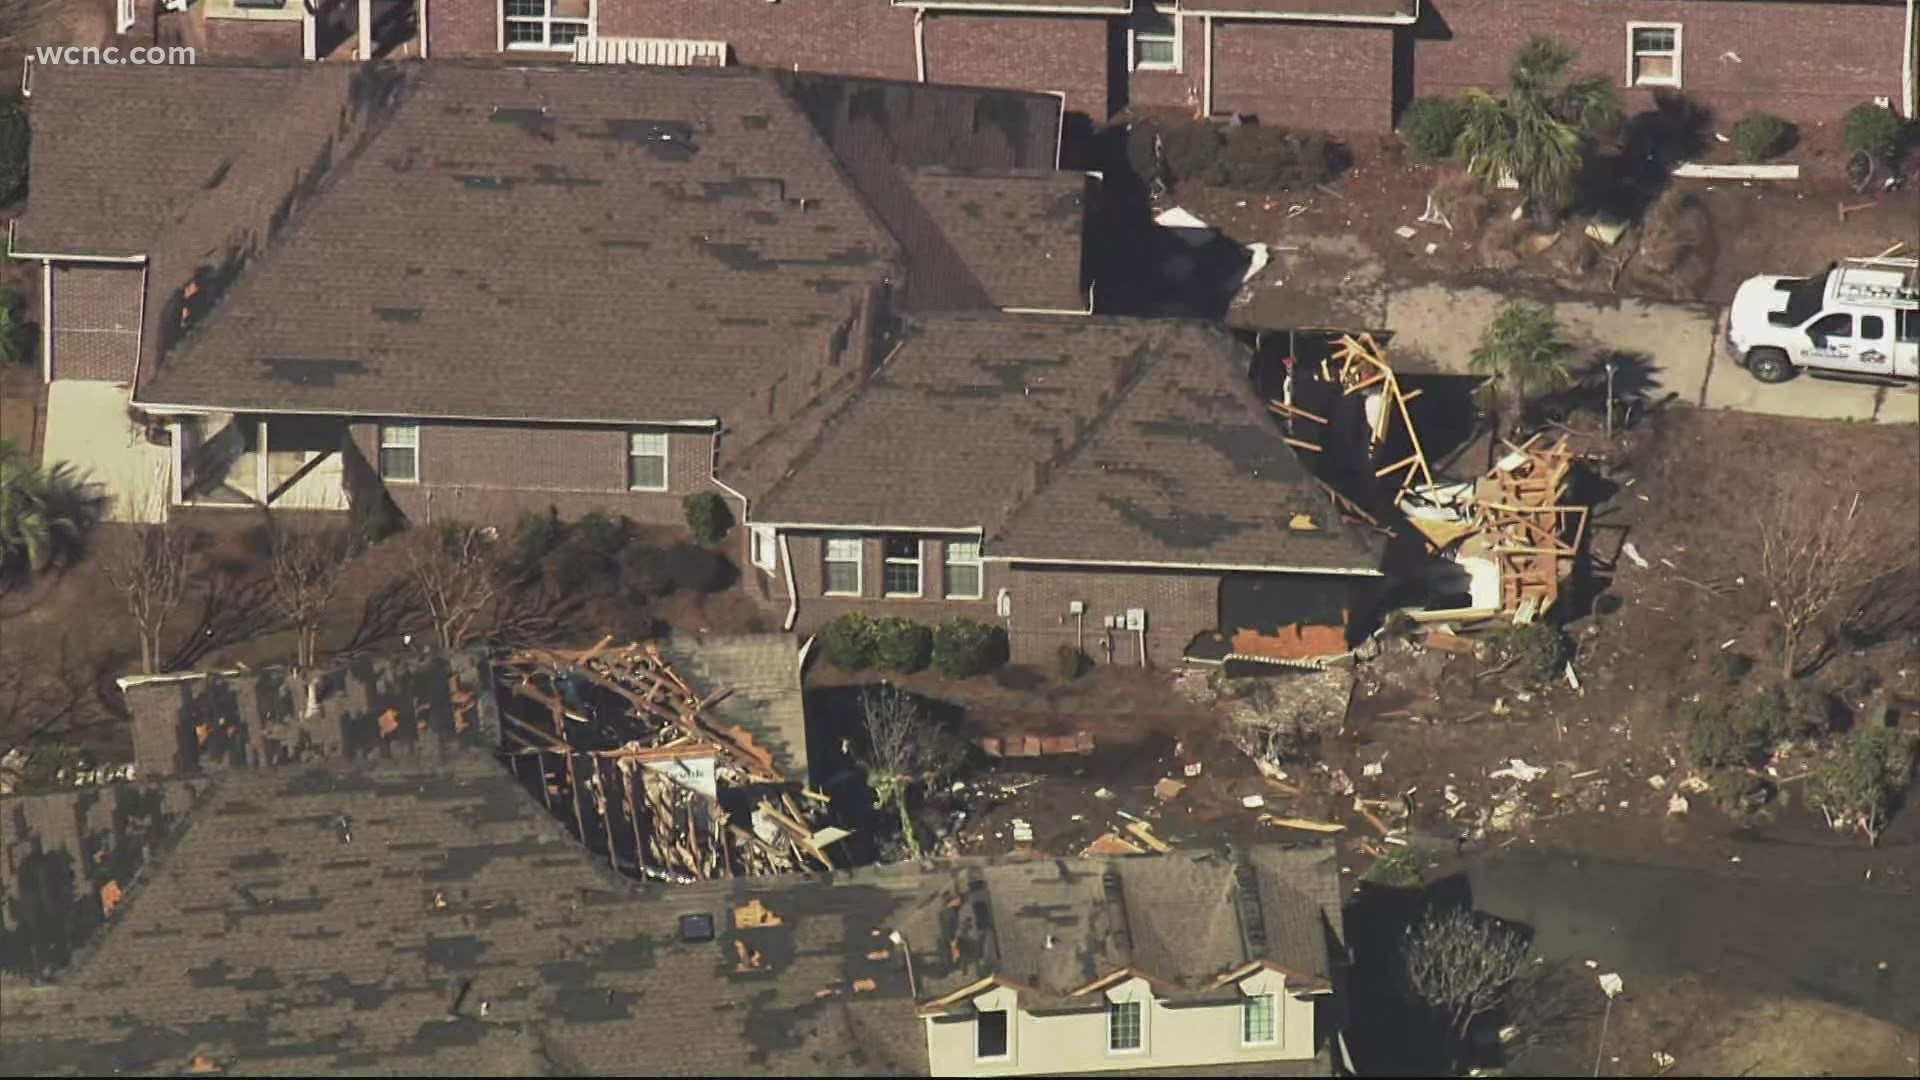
point(1028, 52)
point(1804, 61)
point(1183, 89)
point(96, 321)
point(840, 37)
point(493, 472)
point(1317, 76)
point(272, 41)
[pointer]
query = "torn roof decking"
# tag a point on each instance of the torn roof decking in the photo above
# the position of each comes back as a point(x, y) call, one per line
point(760, 676)
point(395, 916)
point(1097, 439)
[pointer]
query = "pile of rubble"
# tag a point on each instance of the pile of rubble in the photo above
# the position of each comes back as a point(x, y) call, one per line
point(623, 751)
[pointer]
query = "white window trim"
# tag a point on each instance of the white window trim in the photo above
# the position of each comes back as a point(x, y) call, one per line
point(1008, 1056)
point(666, 461)
point(1179, 45)
point(859, 566)
point(1273, 1016)
point(979, 568)
point(763, 547)
point(546, 24)
point(380, 453)
point(1112, 1011)
point(1633, 54)
point(123, 16)
point(919, 562)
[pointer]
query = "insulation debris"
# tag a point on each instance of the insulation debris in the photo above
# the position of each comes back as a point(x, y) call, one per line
point(621, 749)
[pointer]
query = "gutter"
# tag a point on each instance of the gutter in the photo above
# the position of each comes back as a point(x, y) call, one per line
point(793, 591)
point(116, 260)
point(817, 526)
point(157, 406)
point(1141, 565)
point(46, 323)
point(713, 473)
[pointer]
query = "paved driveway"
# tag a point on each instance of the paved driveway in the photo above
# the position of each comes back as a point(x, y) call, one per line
point(1681, 345)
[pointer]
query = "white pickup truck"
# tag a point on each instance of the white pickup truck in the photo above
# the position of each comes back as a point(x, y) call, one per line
point(1858, 317)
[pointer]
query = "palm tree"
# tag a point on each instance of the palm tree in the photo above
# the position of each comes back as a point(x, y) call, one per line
point(1542, 132)
point(1522, 355)
point(43, 512)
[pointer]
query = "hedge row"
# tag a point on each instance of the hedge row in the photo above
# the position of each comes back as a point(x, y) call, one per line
point(958, 648)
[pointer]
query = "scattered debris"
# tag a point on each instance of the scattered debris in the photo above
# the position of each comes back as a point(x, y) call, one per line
point(1633, 555)
point(753, 914)
point(110, 897)
point(1022, 831)
point(1253, 802)
point(1611, 984)
point(1102, 793)
point(1406, 232)
point(1167, 789)
point(1194, 768)
point(1510, 814)
point(861, 986)
point(1375, 768)
point(1144, 834)
point(1114, 844)
point(1657, 782)
point(1694, 784)
point(1518, 769)
point(1677, 806)
point(1662, 1060)
point(1303, 824)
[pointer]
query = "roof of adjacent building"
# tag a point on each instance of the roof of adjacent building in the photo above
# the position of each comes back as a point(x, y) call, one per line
point(1077, 439)
point(587, 243)
point(428, 916)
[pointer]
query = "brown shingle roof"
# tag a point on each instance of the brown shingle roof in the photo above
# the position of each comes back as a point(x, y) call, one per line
point(1087, 439)
point(1026, 229)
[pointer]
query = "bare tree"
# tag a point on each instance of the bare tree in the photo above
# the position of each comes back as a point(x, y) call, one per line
point(454, 568)
point(905, 749)
point(307, 568)
point(1463, 966)
point(1816, 556)
point(152, 570)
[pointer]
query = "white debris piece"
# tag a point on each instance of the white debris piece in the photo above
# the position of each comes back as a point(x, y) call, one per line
point(1102, 793)
point(1633, 554)
point(1572, 679)
point(1405, 232)
point(1258, 257)
point(1509, 815)
point(1694, 785)
point(1657, 782)
point(1253, 802)
point(1662, 1060)
point(1374, 768)
point(1677, 806)
point(1518, 769)
point(1611, 985)
point(1022, 831)
point(1194, 769)
point(1432, 247)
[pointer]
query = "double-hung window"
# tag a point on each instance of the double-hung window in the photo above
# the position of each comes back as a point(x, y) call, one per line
point(647, 460)
point(1257, 1020)
point(1653, 54)
point(1156, 40)
point(900, 573)
point(961, 569)
point(546, 24)
point(1123, 1026)
point(400, 453)
point(843, 558)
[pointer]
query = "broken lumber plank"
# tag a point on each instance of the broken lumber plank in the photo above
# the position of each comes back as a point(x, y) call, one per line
point(1303, 824)
point(1143, 833)
point(1294, 410)
point(1301, 444)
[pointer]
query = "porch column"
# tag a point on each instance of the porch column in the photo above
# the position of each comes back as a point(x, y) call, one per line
point(260, 462)
point(366, 29)
point(309, 48)
point(179, 492)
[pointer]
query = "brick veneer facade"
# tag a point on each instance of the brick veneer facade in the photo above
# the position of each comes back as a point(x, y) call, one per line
point(96, 321)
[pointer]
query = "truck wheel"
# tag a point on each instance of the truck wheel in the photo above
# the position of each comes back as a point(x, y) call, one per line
point(1769, 365)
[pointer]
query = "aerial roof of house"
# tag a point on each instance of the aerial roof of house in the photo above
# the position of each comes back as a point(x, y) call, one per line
point(1072, 439)
point(423, 913)
point(591, 243)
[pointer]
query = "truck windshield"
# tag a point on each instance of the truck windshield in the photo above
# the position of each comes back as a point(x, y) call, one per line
point(1804, 299)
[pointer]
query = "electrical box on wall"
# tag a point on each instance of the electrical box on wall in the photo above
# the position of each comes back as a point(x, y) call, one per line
point(1136, 618)
point(1113, 622)
point(1076, 607)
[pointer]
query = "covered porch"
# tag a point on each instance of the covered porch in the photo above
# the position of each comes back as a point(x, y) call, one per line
point(251, 461)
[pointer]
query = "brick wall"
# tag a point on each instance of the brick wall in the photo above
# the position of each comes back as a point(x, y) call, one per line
point(96, 321)
point(273, 41)
point(808, 552)
point(840, 37)
point(1024, 52)
point(493, 472)
point(1179, 605)
point(1318, 76)
point(1174, 89)
point(1804, 61)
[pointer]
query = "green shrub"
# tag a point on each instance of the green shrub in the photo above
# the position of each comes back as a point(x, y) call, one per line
point(572, 566)
point(1431, 125)
point(1729, 667)
point(1738, 793)
point(1856, 786)
point(1192, 150)
point(965, 647)
point(1759, 136)
point(1536, 652)
point(534, 535)
point(1399, 868)
point(603, 532)
point(848, 642)
point(901, 645)
point(707, 516)
point(1727, 730)
point(1873, 129)
point(1257, 158)
point(14, 140)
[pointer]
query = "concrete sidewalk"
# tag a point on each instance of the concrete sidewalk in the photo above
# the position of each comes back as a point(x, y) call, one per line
point(1438, 326)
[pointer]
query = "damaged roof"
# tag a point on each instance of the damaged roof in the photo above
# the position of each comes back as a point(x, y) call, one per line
point(760, 675)
point(444, 239)
point(429, 917)
point(1075, 439)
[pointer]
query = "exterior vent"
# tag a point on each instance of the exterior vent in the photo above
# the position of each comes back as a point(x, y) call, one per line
point(659, 52)
point(696, 928)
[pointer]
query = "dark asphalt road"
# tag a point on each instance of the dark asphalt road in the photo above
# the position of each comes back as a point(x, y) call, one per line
point(1766, 935)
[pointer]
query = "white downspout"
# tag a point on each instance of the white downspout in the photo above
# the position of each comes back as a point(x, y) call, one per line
point(260, 473)
point(793, 594)
point(46, 319)
point(1206, 67)
point(366, 29)
point(1909, 78)
point(920, 44)
point(309, 37)
point(423, 29)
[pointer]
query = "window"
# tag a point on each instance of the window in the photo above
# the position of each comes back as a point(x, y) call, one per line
point(961, 569)
point(1872, 328)
point(761, 542)
point(647, 460)
point(1123, 1026)
point(1156, 41)
point(990, 1034)
point(1909, 324)
point(1257, 1020)
point(1653, 54)
point(400, 453)
point(900, 574)
point(843, 565)
point(546, 24)
point(1830, 326)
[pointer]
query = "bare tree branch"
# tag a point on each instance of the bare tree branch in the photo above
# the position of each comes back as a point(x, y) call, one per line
point(152, 569)
point(307, 568)
point(455, 573)
point(1816, 555)
point(905, 748)
point(1463, 966)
